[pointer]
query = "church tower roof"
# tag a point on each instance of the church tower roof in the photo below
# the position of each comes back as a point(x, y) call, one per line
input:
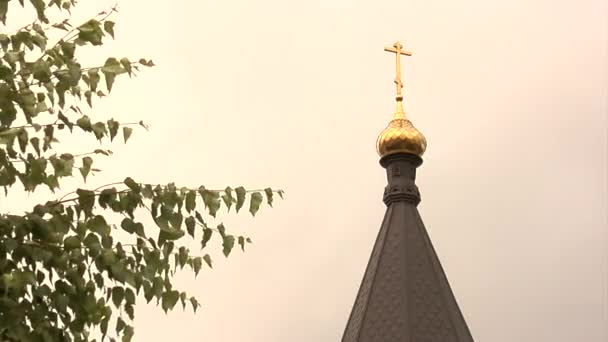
point(405, 295)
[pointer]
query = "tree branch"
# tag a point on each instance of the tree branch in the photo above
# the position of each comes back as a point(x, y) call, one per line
point(38, 126)
point(73, 30)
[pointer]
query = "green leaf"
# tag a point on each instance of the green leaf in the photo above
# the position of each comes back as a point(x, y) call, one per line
point(3, 10)
point(129, 297)
point(228, 244)
point(93, 78)
point(113, 66)
point(38, 29)
point(40, 7)
point(242, 242)
point(190, 225)
point(66, 121)
point(89, 32)
point(71, 242)
point(110, 77)
point(240, 197)
point(269, 195)
point(118, 294)
point(108, 26)
point(211, 199)
point(99, 225)
point(176, 220)
point(12, 57)
point(84, 123)
point(256, 200)
point(167, 232)
point(227, 197)
point(147, 191)
point(107, 197)
point(127, 335)
point(190, 201)
point(130, 310)
point(113, 128)
point(41, 107)
point(194, 303)
point(182, 256)
point(208, 260)
point(40, 40)
point(86, 200)
point(10, 244)
point(4, 39)
point(126, 64)
point(48, 138)
point(139, 229)
point(92, 241)
point(120, 324)
point(128, 225)
point(41, 70)
point(86, 167)
point(133, 185)
point(28, 103)
point(199, 217)
point(104, 326)
point(104, 152)
point(126, 132)
point(169, 299)
point(68, 49)
point(197, 263)
point(24, 37)
point(207, 233)
point(99, 129)
point(89, 97)
point(22, 137)
point(60, 26)
point(222, 230)
point(145, 62)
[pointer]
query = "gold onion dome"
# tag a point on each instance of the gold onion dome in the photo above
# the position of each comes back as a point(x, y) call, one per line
point(400, 136)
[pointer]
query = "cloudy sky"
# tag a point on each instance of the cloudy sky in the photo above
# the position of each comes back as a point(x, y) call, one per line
point(511, 95)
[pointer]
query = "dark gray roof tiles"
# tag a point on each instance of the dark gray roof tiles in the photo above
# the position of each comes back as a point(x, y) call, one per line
point(405, 295)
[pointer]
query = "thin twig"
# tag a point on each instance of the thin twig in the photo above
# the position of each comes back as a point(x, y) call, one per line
point(95, 190)
point(39, 83)
point(62, 39)
point(74, 156)
point(58, 124)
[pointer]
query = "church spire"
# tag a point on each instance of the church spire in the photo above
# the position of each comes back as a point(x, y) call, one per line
point(405, 295)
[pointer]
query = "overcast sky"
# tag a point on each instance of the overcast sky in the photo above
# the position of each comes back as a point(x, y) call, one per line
point(511, 95)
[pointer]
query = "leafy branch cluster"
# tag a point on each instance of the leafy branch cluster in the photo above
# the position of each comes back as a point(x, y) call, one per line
point(71, 268)
point(39, 85)
point(63, 268)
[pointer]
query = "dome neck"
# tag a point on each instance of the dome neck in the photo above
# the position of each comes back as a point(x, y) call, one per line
point(399, 112)
point(401, 176)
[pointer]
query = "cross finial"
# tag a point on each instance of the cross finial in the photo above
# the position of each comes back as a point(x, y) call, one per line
point(397, 49)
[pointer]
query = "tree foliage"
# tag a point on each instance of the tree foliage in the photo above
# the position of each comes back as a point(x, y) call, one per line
point(71, 268)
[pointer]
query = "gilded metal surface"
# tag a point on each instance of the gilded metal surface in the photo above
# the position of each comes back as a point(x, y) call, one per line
point(400, 136)
point(396, 49)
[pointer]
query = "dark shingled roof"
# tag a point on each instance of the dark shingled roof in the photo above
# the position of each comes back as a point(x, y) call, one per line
point(405, 295)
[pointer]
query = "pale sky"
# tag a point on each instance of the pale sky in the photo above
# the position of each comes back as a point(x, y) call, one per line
point(511, 95)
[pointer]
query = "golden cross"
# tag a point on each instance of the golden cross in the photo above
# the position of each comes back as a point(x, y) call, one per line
point(397, 50)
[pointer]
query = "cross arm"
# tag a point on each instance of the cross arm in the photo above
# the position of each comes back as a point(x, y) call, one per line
point(397, 51)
